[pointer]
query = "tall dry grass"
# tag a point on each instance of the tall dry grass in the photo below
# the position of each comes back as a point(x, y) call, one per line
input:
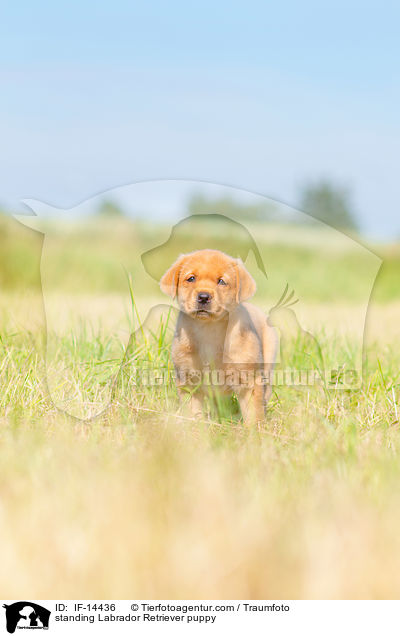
point(145, 503)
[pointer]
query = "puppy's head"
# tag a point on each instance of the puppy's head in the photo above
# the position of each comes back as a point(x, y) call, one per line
point(208, 283)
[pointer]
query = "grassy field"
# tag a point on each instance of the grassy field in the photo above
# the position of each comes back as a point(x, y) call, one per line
point(145, 502)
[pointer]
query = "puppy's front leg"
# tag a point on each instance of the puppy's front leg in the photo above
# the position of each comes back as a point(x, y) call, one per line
point(251, 404)
point(193, 402)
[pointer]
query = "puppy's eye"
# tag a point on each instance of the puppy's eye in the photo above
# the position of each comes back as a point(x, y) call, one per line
point(221, 281)
point(191, 279)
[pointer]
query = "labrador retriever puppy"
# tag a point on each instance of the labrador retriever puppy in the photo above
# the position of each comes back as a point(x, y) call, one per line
point(221, 342)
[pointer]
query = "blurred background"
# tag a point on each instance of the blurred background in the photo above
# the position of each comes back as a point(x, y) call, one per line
point(297, 102)
point(279, 99)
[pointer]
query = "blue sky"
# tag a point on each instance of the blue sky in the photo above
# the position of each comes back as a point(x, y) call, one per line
point(258, 95)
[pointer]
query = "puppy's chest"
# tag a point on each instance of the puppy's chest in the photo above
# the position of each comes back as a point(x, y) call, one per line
point(203, 347)
point(210, 353)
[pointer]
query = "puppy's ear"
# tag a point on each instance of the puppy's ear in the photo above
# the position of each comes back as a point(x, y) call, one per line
point(245, 284)
point(170, 281)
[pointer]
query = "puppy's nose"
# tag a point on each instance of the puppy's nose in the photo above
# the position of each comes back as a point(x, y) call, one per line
point(203, 298)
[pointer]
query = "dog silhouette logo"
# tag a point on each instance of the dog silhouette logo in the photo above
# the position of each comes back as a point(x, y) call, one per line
point(26, 615)
point(289, 257)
